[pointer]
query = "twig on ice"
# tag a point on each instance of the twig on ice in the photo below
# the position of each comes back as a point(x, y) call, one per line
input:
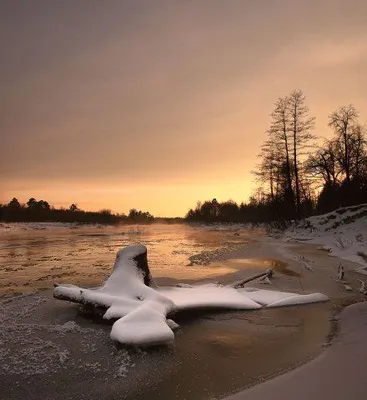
point(267, 274)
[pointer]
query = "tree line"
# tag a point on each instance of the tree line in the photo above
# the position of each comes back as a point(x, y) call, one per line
point(212, 211)
point(297, 177)
point(42, 211)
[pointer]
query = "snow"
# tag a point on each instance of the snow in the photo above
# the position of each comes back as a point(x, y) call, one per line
point(87, 228)
point(63, 356)
point(270, 298)
point(146, 325)
point(69, 326)
point(42, 226)
point(36, 344)
point(208, 296)
point(122, 292)
point(141, 311)
point(343, 233)
point(172, 324)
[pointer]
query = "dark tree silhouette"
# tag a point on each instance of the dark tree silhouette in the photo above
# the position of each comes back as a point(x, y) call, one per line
point(344, 123)
point(42, 211)
point(301, 125)
point(292, 182)
point(73, 207)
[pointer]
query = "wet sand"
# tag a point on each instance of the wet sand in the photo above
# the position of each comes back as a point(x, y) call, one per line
point(51, 350)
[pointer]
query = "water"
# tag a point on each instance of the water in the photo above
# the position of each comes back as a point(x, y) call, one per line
point(213, 353)
point(34, 256)
point(263, 264)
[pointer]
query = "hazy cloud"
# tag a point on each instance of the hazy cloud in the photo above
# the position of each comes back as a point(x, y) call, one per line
point(163, 93)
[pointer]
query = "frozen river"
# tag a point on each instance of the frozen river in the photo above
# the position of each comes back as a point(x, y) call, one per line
point(213, 354)
point(34, 256)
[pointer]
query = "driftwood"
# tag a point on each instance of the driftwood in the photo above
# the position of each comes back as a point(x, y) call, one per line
point(142, 266)
point(239, 284)
point(140, 312)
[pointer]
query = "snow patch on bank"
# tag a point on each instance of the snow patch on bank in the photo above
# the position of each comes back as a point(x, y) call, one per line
point(343, 233)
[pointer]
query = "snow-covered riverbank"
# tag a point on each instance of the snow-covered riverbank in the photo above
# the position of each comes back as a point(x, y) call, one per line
point(343, 233)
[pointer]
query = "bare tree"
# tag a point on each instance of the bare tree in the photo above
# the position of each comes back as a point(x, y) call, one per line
point(279, 135)
point(344, 122)
point(342, 162)
point(358, 152)
point(267, 171)
point(300, 126)
point(324, 164)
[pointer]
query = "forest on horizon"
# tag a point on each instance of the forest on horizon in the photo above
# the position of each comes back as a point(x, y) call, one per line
point(296, 178)
point(42, 211)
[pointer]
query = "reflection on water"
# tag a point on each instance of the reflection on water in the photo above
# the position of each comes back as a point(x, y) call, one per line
point(222, 353)
point(34, 259)
point(265, 263)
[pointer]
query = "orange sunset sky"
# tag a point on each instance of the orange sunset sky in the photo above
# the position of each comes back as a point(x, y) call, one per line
point(155, 104)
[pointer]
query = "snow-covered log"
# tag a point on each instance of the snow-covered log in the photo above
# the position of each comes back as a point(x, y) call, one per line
point(141, 309)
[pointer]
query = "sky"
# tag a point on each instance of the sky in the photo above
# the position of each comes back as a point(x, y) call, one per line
point(156, 104)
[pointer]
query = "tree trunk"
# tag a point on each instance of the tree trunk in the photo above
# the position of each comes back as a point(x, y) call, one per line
point(295, 160)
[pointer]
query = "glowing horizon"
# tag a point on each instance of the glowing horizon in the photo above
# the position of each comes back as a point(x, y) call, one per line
point(121, 200)
point(158, 104)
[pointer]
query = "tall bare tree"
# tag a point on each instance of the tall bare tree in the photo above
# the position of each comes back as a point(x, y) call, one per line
point(300, 126)
point(279, 135)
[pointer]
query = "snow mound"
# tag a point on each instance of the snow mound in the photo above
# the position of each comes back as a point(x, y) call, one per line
point(141, 310)
point(147, 325)
point(343, 233)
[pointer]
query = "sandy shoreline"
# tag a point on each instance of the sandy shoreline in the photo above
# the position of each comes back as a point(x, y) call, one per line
point(214, 354)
